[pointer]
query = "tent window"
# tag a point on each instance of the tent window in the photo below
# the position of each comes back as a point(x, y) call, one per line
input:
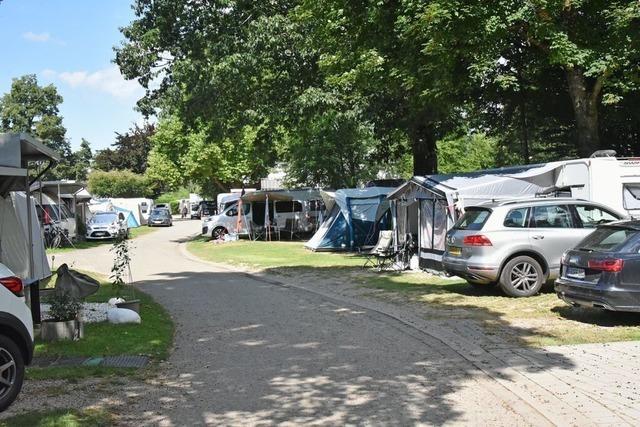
point(631, 195)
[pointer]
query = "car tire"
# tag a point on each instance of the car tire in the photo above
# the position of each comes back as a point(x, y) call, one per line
point(11, 371)
point(522, 276)
point(218, 232)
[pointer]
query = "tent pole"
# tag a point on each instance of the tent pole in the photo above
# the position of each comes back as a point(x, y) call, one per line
point(350, 224)
point(419, 229)
point(394, 220)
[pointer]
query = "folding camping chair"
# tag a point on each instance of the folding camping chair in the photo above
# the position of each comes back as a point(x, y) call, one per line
point(383, 253)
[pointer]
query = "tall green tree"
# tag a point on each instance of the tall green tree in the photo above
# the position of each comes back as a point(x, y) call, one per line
point(29, 107)
point(593, 44)
point(130, 150)
point(82, 160)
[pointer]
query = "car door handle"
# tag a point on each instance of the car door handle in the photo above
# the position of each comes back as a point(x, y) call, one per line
point(538, 237)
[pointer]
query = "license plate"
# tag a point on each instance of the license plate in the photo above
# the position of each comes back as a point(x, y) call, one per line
point(575, 273)
point(100, 233)
point(455, 251)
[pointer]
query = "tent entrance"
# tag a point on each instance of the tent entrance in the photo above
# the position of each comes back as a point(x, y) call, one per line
point(434, 223)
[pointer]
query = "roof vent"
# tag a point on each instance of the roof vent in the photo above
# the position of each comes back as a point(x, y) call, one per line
point(604, 153)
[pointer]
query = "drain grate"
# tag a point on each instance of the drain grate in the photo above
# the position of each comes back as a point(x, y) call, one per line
point(125, 361)
point(109, 361)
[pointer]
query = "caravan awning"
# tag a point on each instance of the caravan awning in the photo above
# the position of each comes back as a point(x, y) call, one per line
point(514, 182)
point(281, 195)
point(16, 151)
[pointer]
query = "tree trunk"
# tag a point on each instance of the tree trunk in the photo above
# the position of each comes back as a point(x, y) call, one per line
point(585, 108)
point(424, 150)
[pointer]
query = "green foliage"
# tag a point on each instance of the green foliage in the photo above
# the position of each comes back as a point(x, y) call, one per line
point(118, 184)
point(129, 152)
point(31, 108)
point(179, 194)
point(174, 206)
point(121, 269)
point(64, 307)
point(467, 153)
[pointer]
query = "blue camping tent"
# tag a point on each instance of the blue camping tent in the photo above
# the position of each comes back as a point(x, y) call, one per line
point(132, 222)
point(354, 218)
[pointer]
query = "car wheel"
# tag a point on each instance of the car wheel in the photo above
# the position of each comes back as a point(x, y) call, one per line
point(218, 232)
point(522, 277)
point(11, 371)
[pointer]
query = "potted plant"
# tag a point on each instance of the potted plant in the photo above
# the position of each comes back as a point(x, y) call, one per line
point(64, 321)
point(121, 274)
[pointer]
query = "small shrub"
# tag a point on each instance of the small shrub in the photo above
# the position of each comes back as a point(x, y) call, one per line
point(64, 307)
point(118, 183)
point(175, 207)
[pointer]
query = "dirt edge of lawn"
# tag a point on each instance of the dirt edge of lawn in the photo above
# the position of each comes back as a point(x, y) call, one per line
point(538, 321)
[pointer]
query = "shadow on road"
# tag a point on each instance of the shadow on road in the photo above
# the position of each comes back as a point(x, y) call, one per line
point(250, 352)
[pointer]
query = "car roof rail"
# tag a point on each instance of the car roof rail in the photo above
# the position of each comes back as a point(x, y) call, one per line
point(541, 200)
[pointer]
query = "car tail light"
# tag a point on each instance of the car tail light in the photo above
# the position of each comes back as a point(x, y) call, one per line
point(476, 240)
point(14, 284)
point(609, 265)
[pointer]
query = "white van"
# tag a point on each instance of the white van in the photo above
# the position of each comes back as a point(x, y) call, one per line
point(292, 212)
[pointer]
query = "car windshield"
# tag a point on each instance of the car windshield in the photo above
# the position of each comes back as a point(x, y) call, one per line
point(607, 239)
point(104, 218)
point(473, 219)
point(160, 212)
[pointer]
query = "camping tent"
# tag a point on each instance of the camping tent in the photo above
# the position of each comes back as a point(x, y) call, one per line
point(132, 222)
point(354, 218)
point(14, 232)
point(429, 206)
point(21, 242)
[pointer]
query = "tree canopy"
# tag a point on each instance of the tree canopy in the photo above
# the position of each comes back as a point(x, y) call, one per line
point(340, 90)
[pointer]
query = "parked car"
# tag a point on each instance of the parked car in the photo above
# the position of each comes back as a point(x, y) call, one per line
point(107, 225)
point(603, 270)
point(159, 217)
point(16, 336)
point(518, 244)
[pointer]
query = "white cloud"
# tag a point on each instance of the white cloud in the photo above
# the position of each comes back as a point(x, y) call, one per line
point(36, 37)
point(107, 80)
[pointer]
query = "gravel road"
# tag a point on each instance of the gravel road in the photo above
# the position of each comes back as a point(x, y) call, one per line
point(251, 350)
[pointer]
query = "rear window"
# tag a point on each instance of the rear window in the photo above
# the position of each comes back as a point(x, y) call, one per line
point(473, 219)
point(608, 239)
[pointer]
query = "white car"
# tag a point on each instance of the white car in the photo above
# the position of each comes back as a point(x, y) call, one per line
point(107, 225)
point(16, 336)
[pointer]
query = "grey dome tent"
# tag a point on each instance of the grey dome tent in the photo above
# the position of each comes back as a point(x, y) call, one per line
point(354, 218)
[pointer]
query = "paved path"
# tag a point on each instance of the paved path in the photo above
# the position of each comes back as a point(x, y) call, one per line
point(251, 350)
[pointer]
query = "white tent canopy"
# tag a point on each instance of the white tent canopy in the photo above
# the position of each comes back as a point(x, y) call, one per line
point(14, 234)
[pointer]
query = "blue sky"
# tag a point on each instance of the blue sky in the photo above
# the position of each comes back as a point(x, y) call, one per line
point(69, 43)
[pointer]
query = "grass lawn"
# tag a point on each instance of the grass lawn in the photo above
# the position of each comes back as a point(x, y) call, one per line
point(60, 418)
point(153, 338)
point(540, 321)
point(271, 255)
point(85, 244)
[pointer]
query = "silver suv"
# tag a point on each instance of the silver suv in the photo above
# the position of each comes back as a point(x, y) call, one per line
point(518, 244)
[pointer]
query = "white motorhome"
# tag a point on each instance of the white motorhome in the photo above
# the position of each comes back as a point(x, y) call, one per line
point(612, 181)
point(289, 211)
